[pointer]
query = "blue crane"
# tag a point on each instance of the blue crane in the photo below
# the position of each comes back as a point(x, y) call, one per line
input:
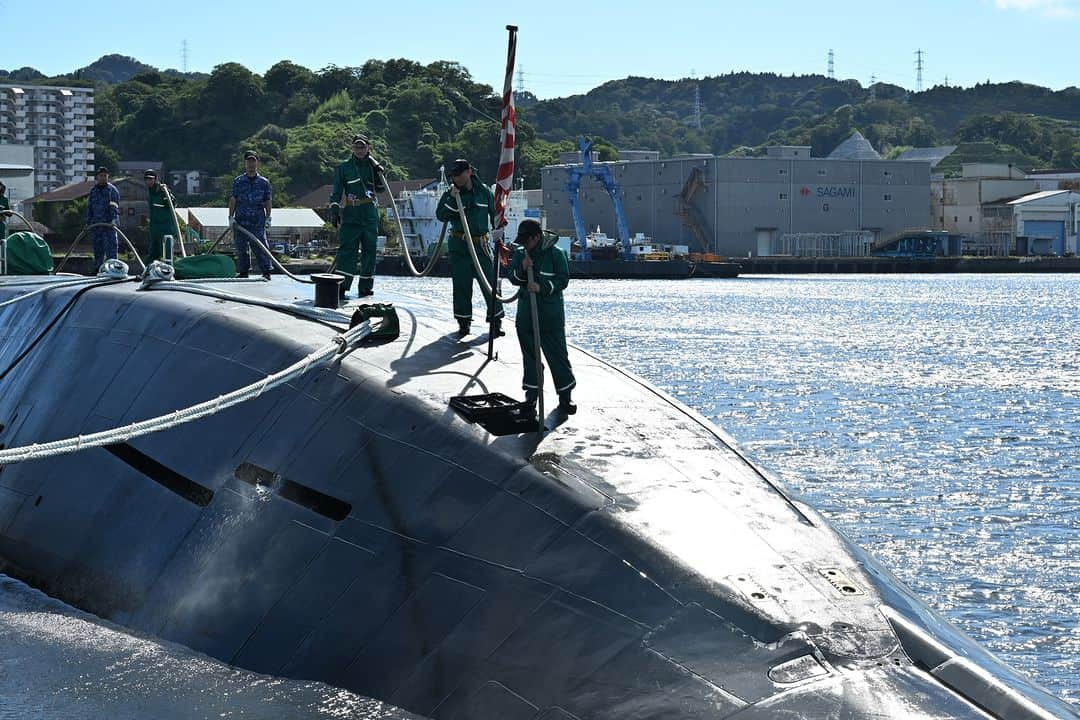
point(602, 173)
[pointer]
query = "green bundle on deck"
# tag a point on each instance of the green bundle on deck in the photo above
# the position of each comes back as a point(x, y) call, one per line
point(204, 266)
point(386, 325)
point(28, 254)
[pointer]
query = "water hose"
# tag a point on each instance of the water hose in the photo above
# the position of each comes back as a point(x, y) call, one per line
point(537, 359)
point(476, 260)
point(273, 259)
point(172, 211)
point(90, 227)
point(405, 246)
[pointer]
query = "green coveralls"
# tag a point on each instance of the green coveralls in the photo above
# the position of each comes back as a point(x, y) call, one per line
point(5, 204)
point(355, 179)
point(480, 212)
point(162, 221)
point(552, 273)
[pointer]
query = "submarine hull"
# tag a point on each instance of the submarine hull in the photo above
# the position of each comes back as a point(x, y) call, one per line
point(349, 527)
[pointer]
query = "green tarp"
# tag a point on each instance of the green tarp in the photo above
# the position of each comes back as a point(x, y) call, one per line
point(204, 266)
point(28, 254)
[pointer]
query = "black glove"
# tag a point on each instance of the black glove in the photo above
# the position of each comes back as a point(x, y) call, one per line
point(335, 215)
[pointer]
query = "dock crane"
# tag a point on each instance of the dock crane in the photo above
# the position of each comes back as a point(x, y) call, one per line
point(603, 175)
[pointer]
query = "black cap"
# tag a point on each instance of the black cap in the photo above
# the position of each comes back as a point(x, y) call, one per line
point(527, 228)
point(457, 167)
point(251, 154)
point(360, 138)
point(101, 170)
point(150, 173)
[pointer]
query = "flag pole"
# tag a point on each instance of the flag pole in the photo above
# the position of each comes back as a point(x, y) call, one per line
point(504, 178)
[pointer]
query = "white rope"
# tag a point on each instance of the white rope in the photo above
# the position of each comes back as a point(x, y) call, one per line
point(175, 418)
point(53, 286)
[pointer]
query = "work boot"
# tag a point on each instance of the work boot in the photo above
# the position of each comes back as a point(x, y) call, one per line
point(266, 274)
point(530, 398)
point(365, 293)
point(463, 327)
point(566, 405)
point(242, 274)
point(496, 328)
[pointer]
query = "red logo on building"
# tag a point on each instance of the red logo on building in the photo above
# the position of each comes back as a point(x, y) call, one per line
point(805, 191)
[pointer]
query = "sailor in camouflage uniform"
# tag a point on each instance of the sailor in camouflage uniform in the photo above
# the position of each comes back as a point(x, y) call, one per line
point(103, 206)
point(249, 207)
point(356, 181)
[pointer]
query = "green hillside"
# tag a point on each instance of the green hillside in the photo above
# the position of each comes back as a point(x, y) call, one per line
point(420, 115)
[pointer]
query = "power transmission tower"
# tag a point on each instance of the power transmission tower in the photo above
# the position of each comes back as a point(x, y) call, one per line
point(183, 55)
point(918, 69)
point(695, 117)
point(697, 106)
point(832, 74)
point(873, 90)
point(520, 81)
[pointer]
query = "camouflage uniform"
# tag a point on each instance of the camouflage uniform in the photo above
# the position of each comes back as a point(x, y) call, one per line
point(103, 206)
point(252, 194)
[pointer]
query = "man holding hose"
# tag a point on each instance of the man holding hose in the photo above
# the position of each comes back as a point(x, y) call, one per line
point(356, 181)
point(551, 274)
point(479, 203)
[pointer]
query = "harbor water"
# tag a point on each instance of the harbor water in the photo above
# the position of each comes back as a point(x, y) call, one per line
point(935, 420)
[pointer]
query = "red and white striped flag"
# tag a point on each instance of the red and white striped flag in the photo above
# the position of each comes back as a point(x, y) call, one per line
point(504, 179)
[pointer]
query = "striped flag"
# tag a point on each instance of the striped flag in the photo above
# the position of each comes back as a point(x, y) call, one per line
point(504, 179)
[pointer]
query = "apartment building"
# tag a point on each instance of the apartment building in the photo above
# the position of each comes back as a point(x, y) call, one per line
point(58, 122)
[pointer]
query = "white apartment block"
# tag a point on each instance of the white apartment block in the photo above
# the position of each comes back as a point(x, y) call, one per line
point(58, 122)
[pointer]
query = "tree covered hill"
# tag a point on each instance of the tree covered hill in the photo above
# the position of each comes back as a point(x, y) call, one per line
point(420, 115)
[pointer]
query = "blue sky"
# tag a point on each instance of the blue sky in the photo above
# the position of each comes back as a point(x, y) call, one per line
point(568, 47)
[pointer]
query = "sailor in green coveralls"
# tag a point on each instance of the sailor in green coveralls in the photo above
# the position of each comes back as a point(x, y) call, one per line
point(162, 216)
point(551, 273)
point(356, 181)
point(5, 204)
point(479, 204)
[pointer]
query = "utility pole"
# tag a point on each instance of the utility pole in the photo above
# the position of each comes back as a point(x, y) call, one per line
point(918, 69)
point(832, 73)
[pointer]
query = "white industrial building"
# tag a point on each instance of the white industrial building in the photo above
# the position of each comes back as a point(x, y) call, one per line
point(1041, 223)
point(17, 173)
point(957, 203)
point(58, 122)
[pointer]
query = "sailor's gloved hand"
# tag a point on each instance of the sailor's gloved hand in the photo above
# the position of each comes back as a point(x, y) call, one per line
point(335, 216)
point(267, 226)
point(534, 287)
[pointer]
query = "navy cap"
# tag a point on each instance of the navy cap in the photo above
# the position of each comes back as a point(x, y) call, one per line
point(360, 138)
point(150, 173)
point(101, 170)
point(458, 166)
point(251, 154)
